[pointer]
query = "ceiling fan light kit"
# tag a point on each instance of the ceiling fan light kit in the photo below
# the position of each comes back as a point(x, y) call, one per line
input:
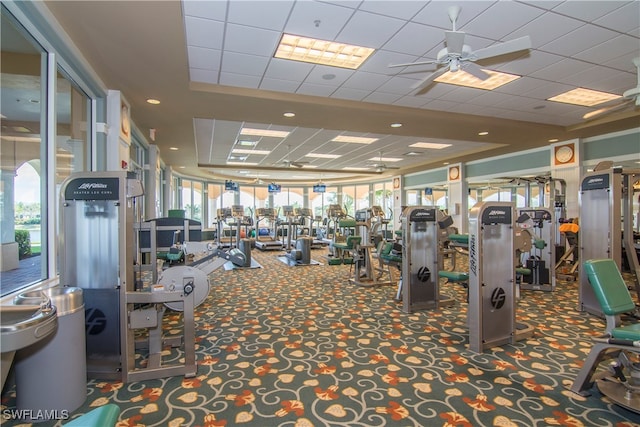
point(458, 56)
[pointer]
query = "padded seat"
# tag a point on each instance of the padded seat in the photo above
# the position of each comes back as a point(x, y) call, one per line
point(459, 238)
point(523, 271)
point(104, 416)
point(349, 244)
point(454, 276)
point(613, 295)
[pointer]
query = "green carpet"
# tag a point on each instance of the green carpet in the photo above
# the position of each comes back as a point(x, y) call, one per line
point(300, 346)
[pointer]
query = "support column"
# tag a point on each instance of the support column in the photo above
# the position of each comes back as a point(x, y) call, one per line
point(9, 259)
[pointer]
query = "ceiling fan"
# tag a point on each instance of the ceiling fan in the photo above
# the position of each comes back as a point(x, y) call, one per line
point(629, 98)
point(288, 163)
point(459, 56)
point(381, 167)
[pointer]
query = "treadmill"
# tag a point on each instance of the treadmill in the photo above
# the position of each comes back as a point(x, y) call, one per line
point(268, 241)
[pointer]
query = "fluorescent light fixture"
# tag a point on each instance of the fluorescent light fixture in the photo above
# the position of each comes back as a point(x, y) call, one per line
point(323, 52)
point(242, 163)
point(554, 140)
point(245, 143)
point(584, 97)
point(354, 139)
point(355, 169)
point(462, 78)
point(248, 151)
point(309, 166)
point(433, 145)
point(396, 125)
point(323, 156)
point(264, 132)
point(385, 159)
point(289, 114)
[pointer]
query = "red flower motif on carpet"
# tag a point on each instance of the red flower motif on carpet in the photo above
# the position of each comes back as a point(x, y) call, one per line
point(210, 421)
point(454, 419)
point(328, 394)
point(324, 369)
point(375, 358)
point(246, 398)
point(479, 403)
point(294, 406)
point(397, 411)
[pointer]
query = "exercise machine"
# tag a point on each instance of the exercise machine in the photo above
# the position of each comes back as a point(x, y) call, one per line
point(334, 214)
point(365, 272)
point(620, 344)
point(492, 281)
point(567, 265)
point(539, 260)
point(224, 235)
point(287, 227)
point(266, 238)
point(306, 227)
point(423, 229)
point(606, 226)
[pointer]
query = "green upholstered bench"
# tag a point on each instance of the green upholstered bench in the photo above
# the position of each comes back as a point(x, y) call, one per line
point(521, 271)
point(454, 276)
point(613, 295)
point(104, 416)
point(461, 239)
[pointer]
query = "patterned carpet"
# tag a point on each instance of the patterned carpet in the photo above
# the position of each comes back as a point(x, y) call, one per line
point(301, 346)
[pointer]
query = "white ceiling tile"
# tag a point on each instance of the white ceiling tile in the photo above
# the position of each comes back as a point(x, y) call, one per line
point(252, 65)
point(325, 75)
point(436, 13)
point(369, 30)
point(293, 70)
point(279, 85)
point(623, 19)
point(610, 49)
point(588, 10)
point(241, 80)
point(267, 14)
point(204, 32)
point(501, 19)
point(205, 9)
point(380, 60)
point(365, 81)
point(397, 85)
point(578, 40)
point(382, 98)
point(250, 40)
point(546, 28)
point(204, 76)
point(397, 8)
point(318, 20)
point(206, 59)
point(352, 94)
point(414, 39)
point(411, 101)
point(561, 71)
point(315, 89)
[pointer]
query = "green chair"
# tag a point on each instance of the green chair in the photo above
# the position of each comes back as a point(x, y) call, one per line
point(614, 298)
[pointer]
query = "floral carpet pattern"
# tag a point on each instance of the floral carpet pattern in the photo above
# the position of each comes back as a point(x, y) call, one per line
point(301, 346)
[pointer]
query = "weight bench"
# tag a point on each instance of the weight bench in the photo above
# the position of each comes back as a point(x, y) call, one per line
point(614, 298)
point(390, 254)
point(460, 277)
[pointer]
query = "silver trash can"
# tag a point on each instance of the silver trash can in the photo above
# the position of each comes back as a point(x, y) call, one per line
point(51, 375)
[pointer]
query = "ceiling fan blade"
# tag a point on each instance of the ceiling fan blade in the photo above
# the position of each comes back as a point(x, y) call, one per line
point(406, 64)
point(422, 84)
point(455, 41)
point(606, 110)
point(515, 45)
point(475, 70)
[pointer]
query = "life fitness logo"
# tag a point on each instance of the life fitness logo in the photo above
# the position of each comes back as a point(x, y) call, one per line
point(95, 321)
point(92, 186)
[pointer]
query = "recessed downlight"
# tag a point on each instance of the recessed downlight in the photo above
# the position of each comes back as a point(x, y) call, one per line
point(289, 114)
point(153, 101)
point(483, 133)
point(396, 125)
point(173, 148)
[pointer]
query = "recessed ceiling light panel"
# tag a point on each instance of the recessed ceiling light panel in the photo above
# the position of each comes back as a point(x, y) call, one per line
point(323, 52)
point(248, 151)
point(462, 78)
point(323, 156)
point(584, 97)
point(354, 139)
point(432, 145)
point(264, 132)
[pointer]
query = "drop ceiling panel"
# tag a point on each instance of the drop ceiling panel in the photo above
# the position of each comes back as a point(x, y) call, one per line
point(610, 49)
point(546, 28)
point(501, 19)
point(249, 40)
point(415, 39)
point(578, 40)
point(369, 30)
point(204, 32)
point(241, 80)
point(203, 58)
point(318, 20)
point(288, 70)
point(435, 13)
point(270, 15)
point(330, 76)
point(205, 9)
point(588, 10)
point(240, 63)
